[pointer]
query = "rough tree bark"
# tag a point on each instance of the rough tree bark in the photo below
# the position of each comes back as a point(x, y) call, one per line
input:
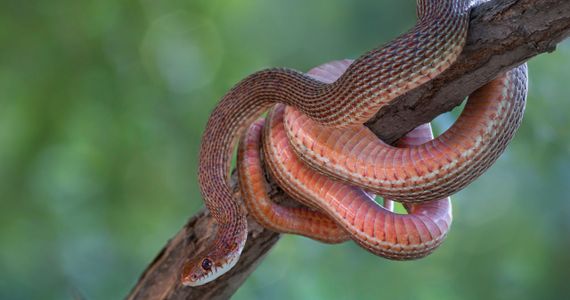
point(502, 34)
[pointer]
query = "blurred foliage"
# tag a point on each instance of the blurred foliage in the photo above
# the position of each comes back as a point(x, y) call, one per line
point(102, 104)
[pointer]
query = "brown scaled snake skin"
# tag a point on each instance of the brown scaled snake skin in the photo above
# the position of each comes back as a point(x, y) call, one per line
point(323, 125)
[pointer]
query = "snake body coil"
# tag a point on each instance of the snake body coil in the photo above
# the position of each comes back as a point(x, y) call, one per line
point(369, 83)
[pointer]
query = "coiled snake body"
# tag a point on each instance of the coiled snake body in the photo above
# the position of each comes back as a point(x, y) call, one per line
point(320, 114)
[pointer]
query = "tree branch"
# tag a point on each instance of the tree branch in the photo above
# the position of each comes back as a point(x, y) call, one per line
point(502, 34)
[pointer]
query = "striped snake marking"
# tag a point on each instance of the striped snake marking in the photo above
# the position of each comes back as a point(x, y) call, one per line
point(369, 83)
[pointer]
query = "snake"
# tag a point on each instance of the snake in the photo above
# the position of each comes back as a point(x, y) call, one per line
point(369, 83)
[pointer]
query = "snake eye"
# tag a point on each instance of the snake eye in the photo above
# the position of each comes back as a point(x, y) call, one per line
point(206, 264)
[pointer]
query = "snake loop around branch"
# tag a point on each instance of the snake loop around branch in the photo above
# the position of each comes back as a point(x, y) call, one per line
point(370, 82)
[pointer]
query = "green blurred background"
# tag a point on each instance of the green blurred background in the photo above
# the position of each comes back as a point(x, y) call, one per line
point(102, 104)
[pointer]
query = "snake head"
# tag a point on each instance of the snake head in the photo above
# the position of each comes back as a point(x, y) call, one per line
point(206, 267)
point(198, 271)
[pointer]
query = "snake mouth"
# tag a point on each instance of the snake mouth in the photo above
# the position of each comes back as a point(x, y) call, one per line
point(190, 280)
